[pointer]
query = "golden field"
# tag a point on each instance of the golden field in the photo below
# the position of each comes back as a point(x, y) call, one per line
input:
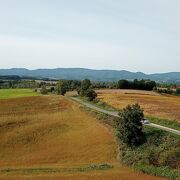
point(154, 104)
point(49, 137)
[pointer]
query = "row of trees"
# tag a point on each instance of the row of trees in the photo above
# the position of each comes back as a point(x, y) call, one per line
point(86, 84)
point(137, 84)
point(84, 88)
point(125, 84)
point(59, 89)
point(12, 84)
point(75, 84)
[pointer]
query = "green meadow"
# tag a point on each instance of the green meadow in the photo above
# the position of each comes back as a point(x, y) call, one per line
point(15, 93)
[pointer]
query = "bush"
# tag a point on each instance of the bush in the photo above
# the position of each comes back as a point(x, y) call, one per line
point(158, 171)
point(44, 90)
point(90, 94)
point(52, 89)
point(86, 91)
point(166, 91)
point(172, 159)
point(61, 88)
point(85, 84)
point(178, 91)
point(159, 156)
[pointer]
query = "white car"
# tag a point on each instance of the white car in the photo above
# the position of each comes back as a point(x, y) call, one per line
point(145, 121)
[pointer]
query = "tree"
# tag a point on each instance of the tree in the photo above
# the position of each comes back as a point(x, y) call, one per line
point(123, 84)
point(178, 91)
point(91, 94)
point(149, 85)
point(43, 90)
point(61, 88)
point(129, 126)
point(85, 85)
point(86, 91)
point(137, 84)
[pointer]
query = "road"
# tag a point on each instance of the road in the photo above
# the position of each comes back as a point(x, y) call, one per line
point(115, 114)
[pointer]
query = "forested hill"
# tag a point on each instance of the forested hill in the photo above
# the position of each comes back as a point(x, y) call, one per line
point(96, 75)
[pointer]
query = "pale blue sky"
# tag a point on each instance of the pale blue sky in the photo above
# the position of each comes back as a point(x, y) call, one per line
point(135, 35)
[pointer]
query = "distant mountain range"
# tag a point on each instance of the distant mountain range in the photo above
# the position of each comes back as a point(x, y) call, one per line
point(96, 75)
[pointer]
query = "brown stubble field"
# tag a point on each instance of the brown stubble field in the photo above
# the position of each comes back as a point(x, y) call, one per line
point(49, 137)
point(162, 106)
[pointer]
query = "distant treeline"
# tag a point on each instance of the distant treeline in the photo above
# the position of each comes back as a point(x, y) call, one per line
point(137, 84)
point(10, 77)
point(8, 84)
point(125, 84)
point(15, 77)
point(70, 85)
point(13, 81)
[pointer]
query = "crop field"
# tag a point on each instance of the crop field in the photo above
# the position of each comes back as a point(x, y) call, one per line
point(49, 136)
point(14, 93)
point(162, 106)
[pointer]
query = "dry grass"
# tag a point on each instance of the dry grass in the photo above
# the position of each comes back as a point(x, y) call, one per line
point(52, 132)
point(162, 106)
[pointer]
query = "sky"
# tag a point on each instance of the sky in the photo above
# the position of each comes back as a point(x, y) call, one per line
point(139, 35)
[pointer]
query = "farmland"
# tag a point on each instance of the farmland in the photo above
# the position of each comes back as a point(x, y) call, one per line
point(15, 93)
point(49, 136)
point(157, 105)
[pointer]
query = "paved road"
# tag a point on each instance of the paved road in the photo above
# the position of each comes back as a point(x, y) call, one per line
point(114, 113)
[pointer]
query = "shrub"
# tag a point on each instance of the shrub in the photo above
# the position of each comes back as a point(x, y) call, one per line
point(85, 84)
point(44, 90)
point(158, 171)
point(173, 159)
point(52, 89)
point(86, 90)
point(178, 91)
point(90, 94)
point(61, 88)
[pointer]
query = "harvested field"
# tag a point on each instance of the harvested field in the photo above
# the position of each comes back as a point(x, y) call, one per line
point(162, 106)
point(50, 137)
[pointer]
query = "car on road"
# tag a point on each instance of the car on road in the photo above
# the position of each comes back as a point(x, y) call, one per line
point(145, 121)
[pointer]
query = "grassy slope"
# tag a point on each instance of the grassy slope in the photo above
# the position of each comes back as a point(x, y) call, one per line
point(14, 93)
point(50, 136)
point(158, 156)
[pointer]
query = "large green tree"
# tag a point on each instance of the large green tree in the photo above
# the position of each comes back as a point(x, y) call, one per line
point(129, 126)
